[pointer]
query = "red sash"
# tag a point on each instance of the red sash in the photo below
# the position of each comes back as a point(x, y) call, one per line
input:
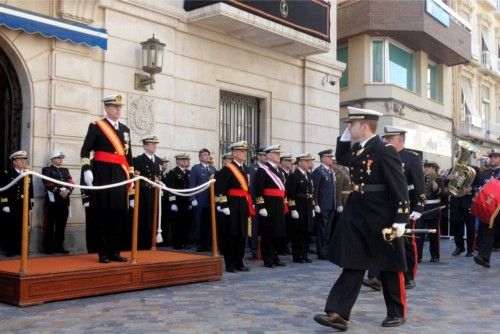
point(271, 192)
point(115, 158)
point(243, 192)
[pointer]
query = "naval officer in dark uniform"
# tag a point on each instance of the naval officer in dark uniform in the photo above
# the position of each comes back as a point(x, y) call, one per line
point(148, 165)
point(12, 201)
point(412, 167)
point(236, 204)
point(379, 199)
point(110, 141)
point(270, 200)
point(300, 193)
point(56, 204)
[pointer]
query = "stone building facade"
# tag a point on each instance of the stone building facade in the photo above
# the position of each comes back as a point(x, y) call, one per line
point(218, 57)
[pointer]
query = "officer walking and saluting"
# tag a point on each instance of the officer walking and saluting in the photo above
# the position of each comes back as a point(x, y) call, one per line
point(148, 165)
point(112, 163)
point(379, 199)
point(56, 204)
point(236, 203)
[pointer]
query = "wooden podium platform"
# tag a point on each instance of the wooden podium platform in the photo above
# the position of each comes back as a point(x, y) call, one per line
point(73, 276)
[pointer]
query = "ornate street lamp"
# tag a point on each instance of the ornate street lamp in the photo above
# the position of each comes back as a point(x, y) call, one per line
point(152, 63)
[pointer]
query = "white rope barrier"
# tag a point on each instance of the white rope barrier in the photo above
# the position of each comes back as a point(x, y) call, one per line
point(179, 192)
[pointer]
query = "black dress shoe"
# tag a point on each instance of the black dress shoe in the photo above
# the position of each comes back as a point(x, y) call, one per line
point(299, 261)
point(61, 251)
point(482, 261)
point(279, 264)
point(231, 270)
point(269, 265)
point(457, 252)
point(321, 257)
point(434, 259)
point(103, 259)
point(243, 268)
point(308, 260)
point(373, 283)
point(393, 321)
point(333, 320)
point(469, 254)
point(410, 284)
point(118, 258)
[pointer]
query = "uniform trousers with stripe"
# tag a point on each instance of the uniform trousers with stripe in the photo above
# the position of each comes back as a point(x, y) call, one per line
point(433, 238)
point(345, 291)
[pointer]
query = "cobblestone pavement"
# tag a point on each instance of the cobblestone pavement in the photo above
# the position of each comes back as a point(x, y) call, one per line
point(453, 296)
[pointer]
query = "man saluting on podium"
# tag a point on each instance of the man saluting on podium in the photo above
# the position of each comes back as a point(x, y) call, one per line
point(112, 163)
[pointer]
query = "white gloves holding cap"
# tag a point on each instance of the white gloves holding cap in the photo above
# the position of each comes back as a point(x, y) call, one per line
point(6, 209)
point(226, 211)
point(88, 177)
point(131, 202)
point(263, 212)
point(317, 209)
point(174, 208)
point(294, 214)
point(340, 208)
point(194, 203)
point(400, 229)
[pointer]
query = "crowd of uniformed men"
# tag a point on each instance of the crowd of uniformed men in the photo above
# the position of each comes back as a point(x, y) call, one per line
point(278, 200)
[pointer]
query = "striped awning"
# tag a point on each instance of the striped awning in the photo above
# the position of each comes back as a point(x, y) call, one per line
point(33, 23)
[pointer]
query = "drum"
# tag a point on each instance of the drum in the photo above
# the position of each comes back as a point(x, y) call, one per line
point(486, 203)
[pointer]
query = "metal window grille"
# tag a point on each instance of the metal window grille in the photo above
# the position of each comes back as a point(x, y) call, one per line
point(238, 120)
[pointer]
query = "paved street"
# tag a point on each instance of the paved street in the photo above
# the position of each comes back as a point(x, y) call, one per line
point(454, 296)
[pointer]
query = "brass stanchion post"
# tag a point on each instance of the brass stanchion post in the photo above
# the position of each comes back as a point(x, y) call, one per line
point(215, 250)
point(24, 234)
point(135, 224)
point(155, 219)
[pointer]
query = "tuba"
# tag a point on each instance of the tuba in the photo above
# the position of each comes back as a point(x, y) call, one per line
point(463, 175)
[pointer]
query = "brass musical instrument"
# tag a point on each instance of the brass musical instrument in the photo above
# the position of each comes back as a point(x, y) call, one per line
point(463, 175)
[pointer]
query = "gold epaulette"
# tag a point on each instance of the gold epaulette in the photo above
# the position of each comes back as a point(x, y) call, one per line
point(259, 200)
point(4, 200)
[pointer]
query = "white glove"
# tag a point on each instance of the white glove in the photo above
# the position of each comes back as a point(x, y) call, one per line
point(400, 229)
point(317, 209)
point(88, 177)
point(132, 202)
point(314, 213)
point(194, 203)
point(174, 208)
point(415, 215)
point(6, 209)
point(226, 211)
point(263, 212)
point(219, 209)
point(64, 192)
point(294, 214)
point(86, 205)
point(340, 208)
point(346, 135)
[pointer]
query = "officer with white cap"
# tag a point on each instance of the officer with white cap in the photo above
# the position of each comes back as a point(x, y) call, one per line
point(112, 163)
point(12, 200)
point(56, 203)
point(148, 165)
point(379, 199)
point(180, 206)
